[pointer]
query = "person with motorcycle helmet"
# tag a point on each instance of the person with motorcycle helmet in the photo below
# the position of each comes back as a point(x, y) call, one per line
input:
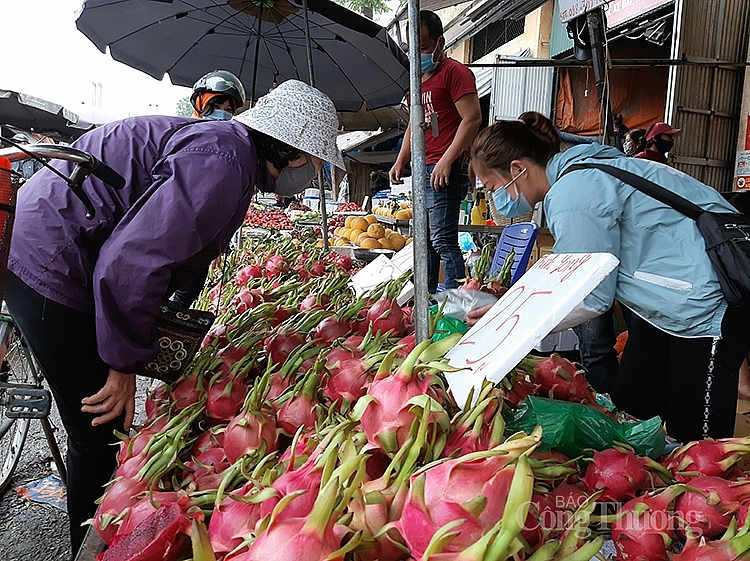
point(218, 96)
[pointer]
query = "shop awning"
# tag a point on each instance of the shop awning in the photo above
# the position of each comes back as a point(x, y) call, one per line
point(484, 12)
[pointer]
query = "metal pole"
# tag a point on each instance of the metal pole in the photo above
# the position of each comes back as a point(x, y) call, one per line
point(321, 183)
point(597, 37)
point(418, 175)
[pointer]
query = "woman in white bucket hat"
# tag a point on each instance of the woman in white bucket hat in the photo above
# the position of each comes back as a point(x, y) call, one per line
point(85, 293)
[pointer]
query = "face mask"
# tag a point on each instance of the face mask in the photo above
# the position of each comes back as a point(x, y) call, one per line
point(627, 147)
point(427, 62)
point(508, 207)
point(294, 180)
point(218, 115)
point(662, 145)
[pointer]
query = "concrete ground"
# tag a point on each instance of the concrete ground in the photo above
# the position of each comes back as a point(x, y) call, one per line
point(32, 531)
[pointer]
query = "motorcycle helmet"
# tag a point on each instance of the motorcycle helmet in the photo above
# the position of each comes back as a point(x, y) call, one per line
point(220, 82)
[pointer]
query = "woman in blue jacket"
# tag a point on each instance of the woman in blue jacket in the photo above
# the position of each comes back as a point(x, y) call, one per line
point(664, 277)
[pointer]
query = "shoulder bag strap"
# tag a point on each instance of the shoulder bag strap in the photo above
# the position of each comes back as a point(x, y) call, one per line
point(689, 209)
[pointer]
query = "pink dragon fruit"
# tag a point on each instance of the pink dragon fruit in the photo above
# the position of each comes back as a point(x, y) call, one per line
point(708, 507)
point(645, 528)
point(620, 474)
point(471, 488)
point(706, 457)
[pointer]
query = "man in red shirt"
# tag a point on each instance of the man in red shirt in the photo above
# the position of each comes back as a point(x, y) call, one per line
point(452, 118)
point(659, 141)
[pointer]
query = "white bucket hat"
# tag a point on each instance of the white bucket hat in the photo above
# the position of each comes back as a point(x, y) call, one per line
point(301, 116)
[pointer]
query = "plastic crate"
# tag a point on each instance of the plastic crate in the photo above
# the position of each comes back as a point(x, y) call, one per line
point(557, 342)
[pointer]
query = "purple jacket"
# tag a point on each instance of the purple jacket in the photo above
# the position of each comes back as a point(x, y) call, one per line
point(188, 186)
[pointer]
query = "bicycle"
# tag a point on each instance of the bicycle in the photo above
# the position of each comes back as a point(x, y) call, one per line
point(23, 397)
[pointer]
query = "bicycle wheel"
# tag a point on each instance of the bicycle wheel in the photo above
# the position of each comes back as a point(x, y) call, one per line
point(15, 369)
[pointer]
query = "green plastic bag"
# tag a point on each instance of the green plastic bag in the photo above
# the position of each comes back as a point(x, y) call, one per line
point(573, 427)
point(448, 326)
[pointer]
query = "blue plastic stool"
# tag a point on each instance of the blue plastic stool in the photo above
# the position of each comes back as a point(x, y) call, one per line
point(519, 238)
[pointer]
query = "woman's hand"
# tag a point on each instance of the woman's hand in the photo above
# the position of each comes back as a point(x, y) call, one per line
point(473, 316)
point(117, 394)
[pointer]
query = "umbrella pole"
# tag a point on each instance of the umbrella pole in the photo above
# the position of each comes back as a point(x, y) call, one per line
point(418, 174)
point(321, 183)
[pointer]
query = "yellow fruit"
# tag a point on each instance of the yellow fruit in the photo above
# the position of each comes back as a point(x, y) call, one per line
point(403, 204)
point(353, 233)
point(319, 243)
point(344, 233)
point(397, 240)
point(360, 223)
point(403, 214)
point(376, 231)
point(362, 237)
point(385, 244)
point(370, 243)
point(371, 218)
point(348, 221)
point(408, 241)
point(337, 231)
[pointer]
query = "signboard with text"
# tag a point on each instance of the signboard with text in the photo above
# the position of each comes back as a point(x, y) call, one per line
point(571, 9)
point(622, 11)
point(551, 291)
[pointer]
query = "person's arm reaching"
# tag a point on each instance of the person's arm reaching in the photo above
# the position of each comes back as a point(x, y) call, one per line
point(471, 118)
point(404, 155)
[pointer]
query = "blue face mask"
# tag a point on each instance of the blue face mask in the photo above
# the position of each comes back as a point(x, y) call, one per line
point(508, 207)
point(428, 63)
point(218, 115)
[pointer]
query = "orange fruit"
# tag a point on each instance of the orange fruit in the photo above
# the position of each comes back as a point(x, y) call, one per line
point(376, 231)
point(360, 223)
point(370, 243)
point(371, 218)
point(348, 221)
point(353, 233)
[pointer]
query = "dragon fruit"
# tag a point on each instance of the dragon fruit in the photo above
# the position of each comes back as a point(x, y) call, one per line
point(645, 528)
point(386, 411)
point(235, 518)
point(706, 457)
point(470, 488)
point(559, 378)
point(160, 537)
point(733, 545)
point(620, 474)
point(709, 506)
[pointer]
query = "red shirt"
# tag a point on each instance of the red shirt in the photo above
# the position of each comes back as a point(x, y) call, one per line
point(448, 84)
point(652, 155)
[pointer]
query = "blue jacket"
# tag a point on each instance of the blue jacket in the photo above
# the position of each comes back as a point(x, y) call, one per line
point(664, 275)
point(188, 186)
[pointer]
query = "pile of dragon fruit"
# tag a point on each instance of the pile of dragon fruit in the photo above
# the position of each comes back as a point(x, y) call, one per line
point(312, 427)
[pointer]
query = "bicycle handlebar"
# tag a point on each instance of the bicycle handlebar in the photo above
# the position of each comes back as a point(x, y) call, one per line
point(86, 164)
point(69, 154)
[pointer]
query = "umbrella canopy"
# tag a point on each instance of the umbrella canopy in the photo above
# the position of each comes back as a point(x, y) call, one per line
point(262, 42)
point(23, 111)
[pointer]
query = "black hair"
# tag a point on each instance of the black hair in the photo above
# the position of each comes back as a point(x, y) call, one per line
point(432, 22)
point(274, 151)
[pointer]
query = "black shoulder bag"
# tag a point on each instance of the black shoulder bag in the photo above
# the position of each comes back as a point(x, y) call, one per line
point(727, 234)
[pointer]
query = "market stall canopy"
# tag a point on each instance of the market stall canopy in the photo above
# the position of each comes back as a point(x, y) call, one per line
point(30, 113)
point(384, 118)
point(355, 61)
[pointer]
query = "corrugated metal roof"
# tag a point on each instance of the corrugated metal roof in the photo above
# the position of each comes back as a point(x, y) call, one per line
point(484, 12)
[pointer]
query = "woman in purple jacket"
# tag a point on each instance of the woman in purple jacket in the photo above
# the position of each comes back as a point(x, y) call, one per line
point(85, 293)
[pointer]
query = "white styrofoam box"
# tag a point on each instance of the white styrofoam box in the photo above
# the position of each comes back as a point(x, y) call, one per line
point(315, 192)
point(561, 341)
point(314, 204)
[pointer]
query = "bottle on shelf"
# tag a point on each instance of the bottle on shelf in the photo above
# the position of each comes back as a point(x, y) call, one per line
point(479, 211)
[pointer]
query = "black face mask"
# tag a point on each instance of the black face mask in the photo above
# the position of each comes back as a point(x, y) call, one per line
point(662, 145)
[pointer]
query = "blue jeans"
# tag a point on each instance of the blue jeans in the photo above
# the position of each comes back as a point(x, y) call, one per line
point(596, 342)
point(443, 208)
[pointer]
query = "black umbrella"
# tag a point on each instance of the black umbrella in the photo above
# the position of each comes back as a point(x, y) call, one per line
point(26, 112)
point(263, 42)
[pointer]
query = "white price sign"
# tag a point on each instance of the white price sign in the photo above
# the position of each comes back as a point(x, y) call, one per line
point(571, 9)
point(549, 294)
